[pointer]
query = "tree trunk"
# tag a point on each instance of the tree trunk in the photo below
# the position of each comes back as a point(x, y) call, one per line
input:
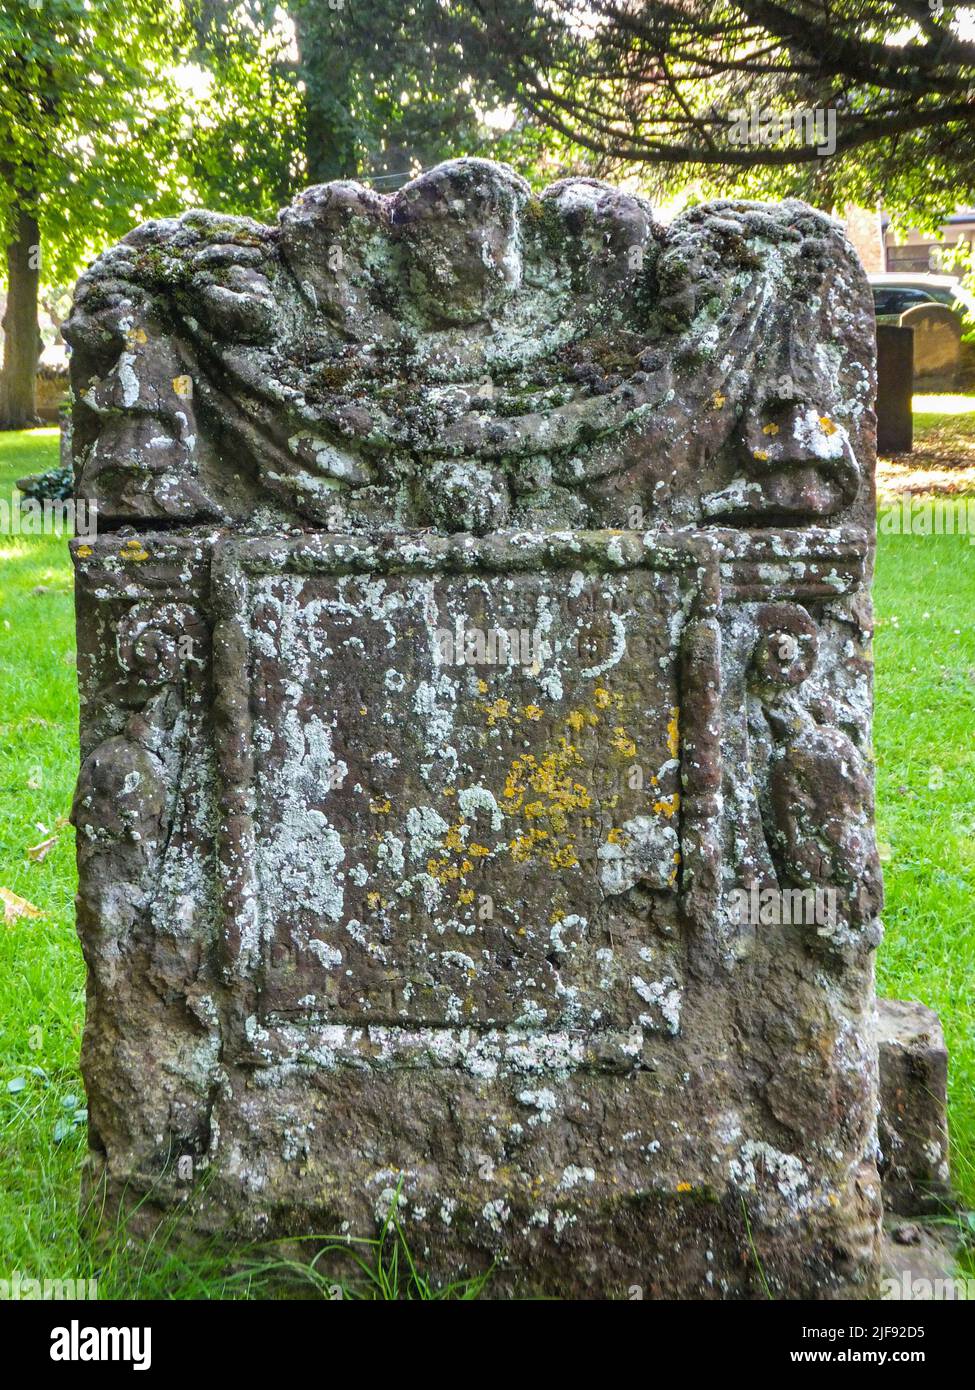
point(22, 337)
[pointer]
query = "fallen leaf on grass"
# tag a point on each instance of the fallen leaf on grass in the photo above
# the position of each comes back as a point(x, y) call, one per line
point(14, 906)
point(38, 853)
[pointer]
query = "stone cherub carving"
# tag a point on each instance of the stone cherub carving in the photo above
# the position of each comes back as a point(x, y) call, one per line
point(463, 355)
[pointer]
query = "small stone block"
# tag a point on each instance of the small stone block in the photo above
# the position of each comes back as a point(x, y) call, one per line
point(913, 1108)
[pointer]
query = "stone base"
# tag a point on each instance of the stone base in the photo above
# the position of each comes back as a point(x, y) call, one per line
point(581, 1205)
point(694, 1246)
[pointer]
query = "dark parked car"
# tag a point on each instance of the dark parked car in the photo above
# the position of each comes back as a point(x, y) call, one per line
point(894, 294)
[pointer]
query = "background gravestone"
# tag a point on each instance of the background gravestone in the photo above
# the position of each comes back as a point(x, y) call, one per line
point(483, 613)
point(895, 389)
point(937, 345)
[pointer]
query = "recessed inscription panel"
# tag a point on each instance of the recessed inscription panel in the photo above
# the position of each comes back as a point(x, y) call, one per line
point(467, 796)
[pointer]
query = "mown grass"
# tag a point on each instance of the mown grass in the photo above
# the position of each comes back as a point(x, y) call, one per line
point(41, 973)
point(924, 739)
point(925, 717)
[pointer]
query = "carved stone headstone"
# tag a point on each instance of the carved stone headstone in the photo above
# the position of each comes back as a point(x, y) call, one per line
point(476, 798)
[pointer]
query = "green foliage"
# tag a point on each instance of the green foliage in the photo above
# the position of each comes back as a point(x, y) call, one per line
point(244, 126)
point(89, 118)
point(390, 88)
point(651, 89)
point(925, 692)
point(385, 1268)
point(121, 110)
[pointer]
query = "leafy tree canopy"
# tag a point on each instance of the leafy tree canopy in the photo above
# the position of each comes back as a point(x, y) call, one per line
point(653, 87)
point(112, 111)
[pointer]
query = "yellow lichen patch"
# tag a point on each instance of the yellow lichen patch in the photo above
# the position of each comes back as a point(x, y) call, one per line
point(577, 719)
point(523, 846)
point(545, 792)
point(673, 731)
point(770, 429)
point(532, 712)
point(622, 742)
point(374, 901)
point(500, 709)
point(826, 425)
point(465, 896)
point(134, 550)
point(685, 1187)
point(718, 400)
point(183, 387)
point(526, 847)
point(482, 687)
point(605, 699)
point(380, 808)
point(478, 851)
point(449, 791)
point(136, 337)
point(760, 454)
point(617, 836)
point(668, 806)
point(84, 551)
point(454, 838)
point(563, 858)
point(550, 779)
point(442, 870)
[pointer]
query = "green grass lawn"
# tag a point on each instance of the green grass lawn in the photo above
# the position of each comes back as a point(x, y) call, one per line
point(41, 973)
point(925, 718)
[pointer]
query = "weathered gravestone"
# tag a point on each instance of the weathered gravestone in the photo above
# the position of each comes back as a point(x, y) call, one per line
point(937, 345)
point(476, 705)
